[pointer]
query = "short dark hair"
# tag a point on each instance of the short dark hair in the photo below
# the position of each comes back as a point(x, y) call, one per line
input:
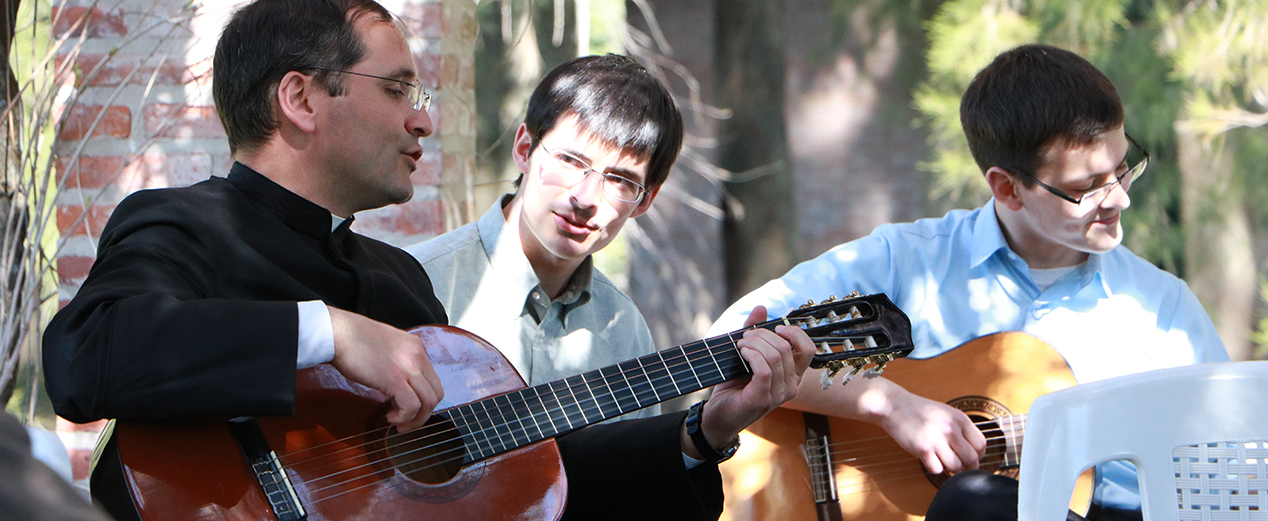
point(616, 100)
point(1030, 98)
point(266, 39)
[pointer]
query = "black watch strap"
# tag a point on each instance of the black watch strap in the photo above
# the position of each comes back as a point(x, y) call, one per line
point(694, 430)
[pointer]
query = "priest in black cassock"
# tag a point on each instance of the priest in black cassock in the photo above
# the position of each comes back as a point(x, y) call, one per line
point(205, 301)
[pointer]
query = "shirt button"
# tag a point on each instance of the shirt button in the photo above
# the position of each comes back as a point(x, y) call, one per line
point(537, 296)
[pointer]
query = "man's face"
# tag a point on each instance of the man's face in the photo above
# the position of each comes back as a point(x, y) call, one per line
point(1092, 226)
point(372, 130)
point(562, 220)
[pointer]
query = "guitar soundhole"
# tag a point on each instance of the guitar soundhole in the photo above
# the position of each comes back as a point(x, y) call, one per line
point(432, 454)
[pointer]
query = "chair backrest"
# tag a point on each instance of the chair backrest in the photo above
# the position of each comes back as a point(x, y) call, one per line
point(1198, 436)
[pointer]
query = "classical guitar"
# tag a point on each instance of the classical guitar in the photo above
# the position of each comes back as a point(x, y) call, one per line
point(492, 457)
point(806, 466)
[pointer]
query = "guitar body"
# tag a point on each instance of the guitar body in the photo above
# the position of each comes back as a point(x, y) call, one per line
point(333, 448)
point(990, 377)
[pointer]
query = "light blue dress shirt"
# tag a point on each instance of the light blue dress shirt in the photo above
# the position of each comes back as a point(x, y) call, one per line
point(957, 279)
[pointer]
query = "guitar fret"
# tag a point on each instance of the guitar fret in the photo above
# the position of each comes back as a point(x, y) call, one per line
point(495, 440)
point(514, 421)
point(616, 400)
point(640, 388)
point(459, 420)
point(579, 394)
point(480, 432)
point(712, 372)
point(663, 379)
point(562, 408)
point(604, 397)
point(649, 379)
point(540, 406)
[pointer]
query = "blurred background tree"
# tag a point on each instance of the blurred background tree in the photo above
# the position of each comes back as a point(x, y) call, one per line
point(1194, 79)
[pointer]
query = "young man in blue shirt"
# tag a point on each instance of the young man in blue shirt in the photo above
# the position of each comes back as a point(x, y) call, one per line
point(1043, 256)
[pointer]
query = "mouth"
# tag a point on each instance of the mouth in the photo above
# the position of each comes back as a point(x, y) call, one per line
point(414, 156)
point(572, 226)
point(1108, 221)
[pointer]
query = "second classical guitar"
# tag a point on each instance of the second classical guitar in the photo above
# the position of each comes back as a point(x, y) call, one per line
point(833, 468)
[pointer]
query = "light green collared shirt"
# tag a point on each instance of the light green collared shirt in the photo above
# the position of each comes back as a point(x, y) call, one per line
point(488, 287)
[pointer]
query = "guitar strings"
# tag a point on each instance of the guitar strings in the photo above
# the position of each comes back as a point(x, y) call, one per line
point(687, 351)
point(995, 454)
point(672, 364)
point(685, 356)
point(460, 450)
point(570, 388)
point(1017, 424)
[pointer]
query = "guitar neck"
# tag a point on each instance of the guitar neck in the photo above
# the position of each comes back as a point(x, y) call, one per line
point(508, 421)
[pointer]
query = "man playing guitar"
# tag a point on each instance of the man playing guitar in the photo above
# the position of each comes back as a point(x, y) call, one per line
point(206, 301)
point(1043, 256)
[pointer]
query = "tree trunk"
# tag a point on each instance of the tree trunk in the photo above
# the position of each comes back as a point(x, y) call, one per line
point(12, 213)
point(760, 235)
point(1219, 262)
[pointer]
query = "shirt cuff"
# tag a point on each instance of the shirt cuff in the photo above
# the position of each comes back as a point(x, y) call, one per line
point(316, 335)
point(690, 462)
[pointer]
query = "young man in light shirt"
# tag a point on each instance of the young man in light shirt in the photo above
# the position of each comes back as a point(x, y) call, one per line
point(595, 147)
point(1044, 256)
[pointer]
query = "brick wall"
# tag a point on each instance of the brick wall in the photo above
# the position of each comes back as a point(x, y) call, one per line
point(139, 115)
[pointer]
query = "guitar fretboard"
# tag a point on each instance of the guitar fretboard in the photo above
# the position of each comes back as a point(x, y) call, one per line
point(508, 421)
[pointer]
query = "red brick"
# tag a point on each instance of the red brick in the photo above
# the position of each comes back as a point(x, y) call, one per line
point(424, 20)
point(182, 121)
point(67, 217)
point(73, 269)
point(419, 217)
point(91, 22)
point(117, 67)
point(135, 173)
point(117, 122)
point(429, 71)
point(89, 171)
point(429, 168)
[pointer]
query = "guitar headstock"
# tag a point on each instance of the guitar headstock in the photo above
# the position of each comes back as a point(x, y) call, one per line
point(860, 332)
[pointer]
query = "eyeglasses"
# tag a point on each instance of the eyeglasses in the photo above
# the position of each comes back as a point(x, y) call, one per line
point(1098, 193)
point(574, 170)
point(417, 96)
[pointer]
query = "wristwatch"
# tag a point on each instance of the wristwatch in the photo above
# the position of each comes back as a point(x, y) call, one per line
point(710, 454)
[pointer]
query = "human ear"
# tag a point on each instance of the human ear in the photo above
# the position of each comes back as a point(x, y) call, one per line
point(294, 100)
point(1005, 187)
point(522, 147)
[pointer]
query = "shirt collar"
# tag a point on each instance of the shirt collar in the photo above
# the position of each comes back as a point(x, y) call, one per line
point(298, 213)
point(506, 256)
point(988, 238)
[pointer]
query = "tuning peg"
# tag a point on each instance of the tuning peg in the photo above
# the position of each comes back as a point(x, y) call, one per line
point(831, 298)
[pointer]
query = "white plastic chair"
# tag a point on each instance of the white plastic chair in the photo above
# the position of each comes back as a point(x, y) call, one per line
point(1197, 434)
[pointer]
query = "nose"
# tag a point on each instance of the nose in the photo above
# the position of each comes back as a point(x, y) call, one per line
point(419, 123)
point(586, 193)
point(1117, 198)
